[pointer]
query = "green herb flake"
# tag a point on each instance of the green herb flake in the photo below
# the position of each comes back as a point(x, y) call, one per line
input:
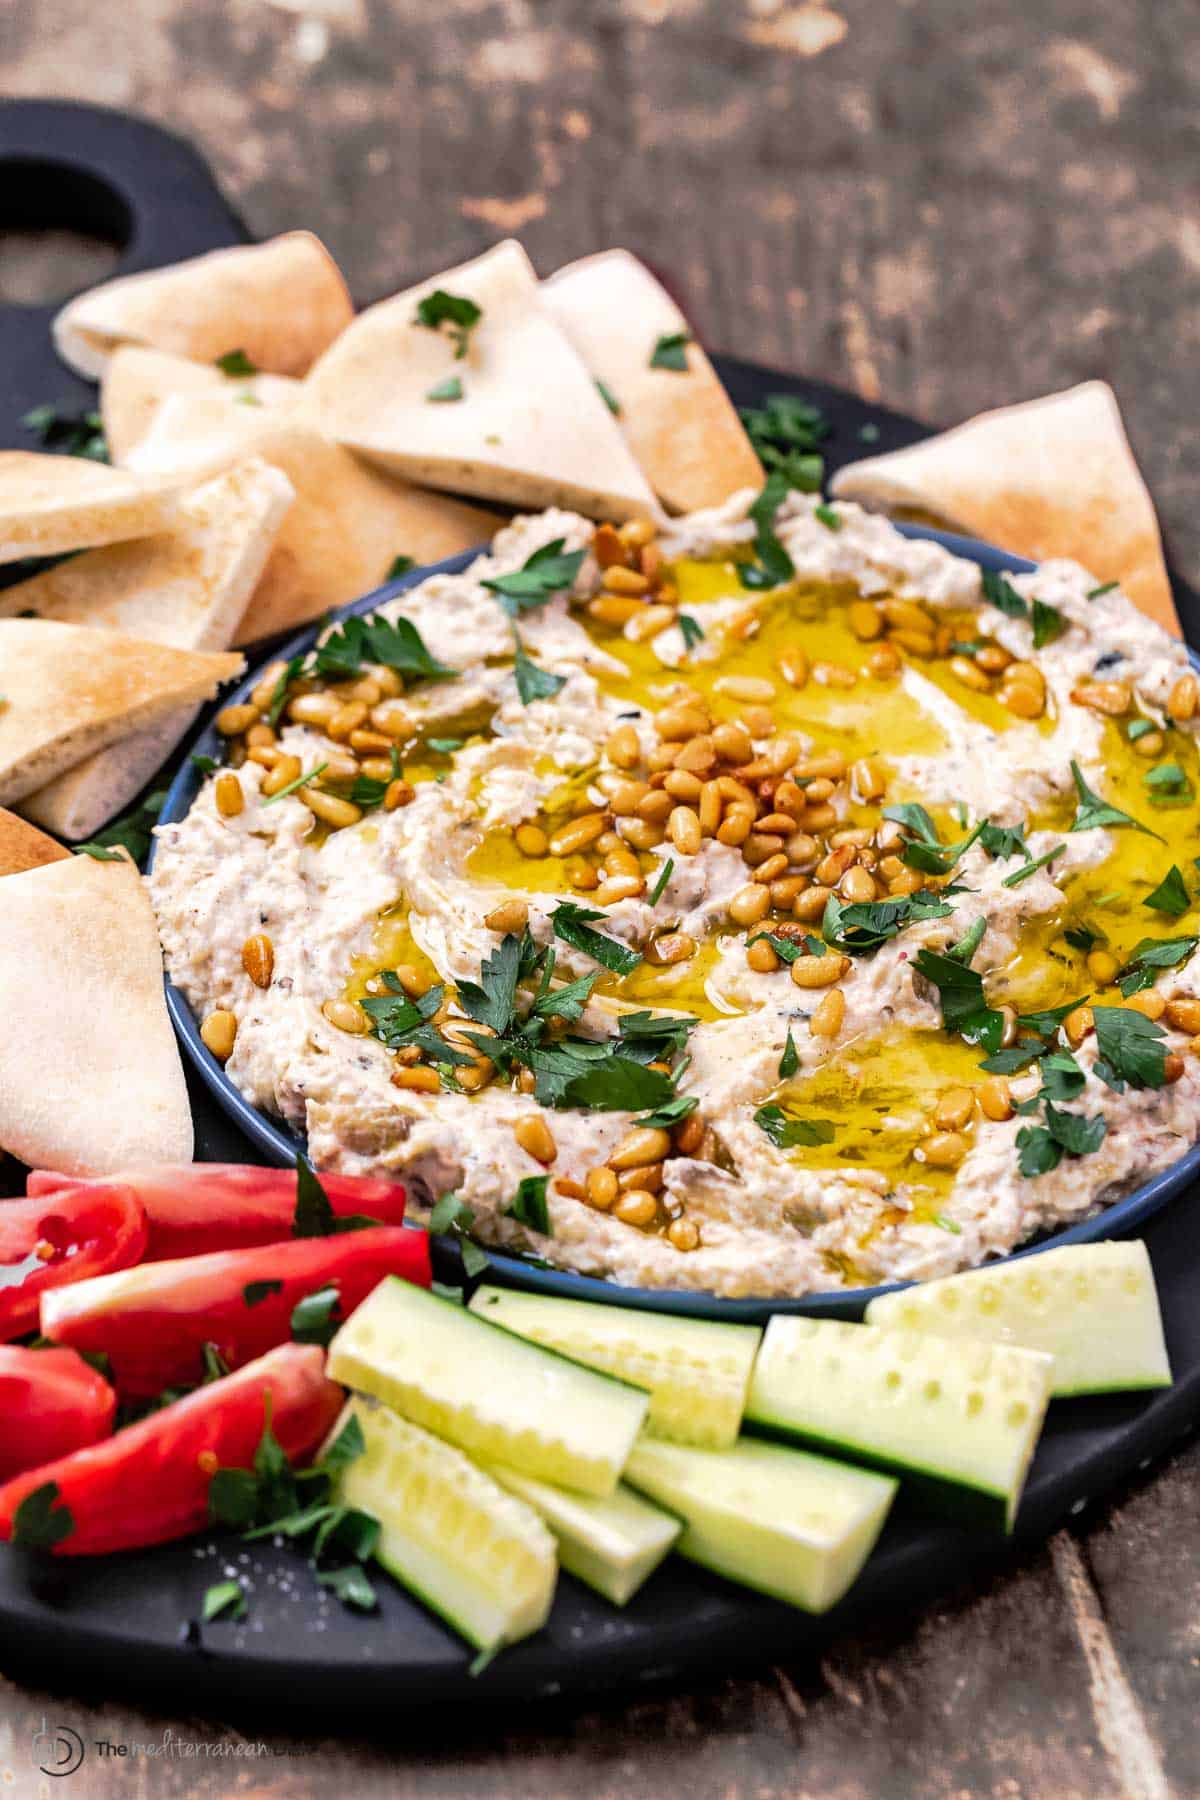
point(1131, 1049)
point(132, 832)
point(1106, 587)
point(399, 565)
point(451, 388)
point(314, 1216)
point(789, 1062)
point(691, 632)
point(236, 362)
point(1093, 811)
point(534, 683)
point(548, 571)
point(788, 1133)
point(255, 1292)
point(302, 780)
point(1032, 867)
point(573, 924)
point(665, 872)
point(670, 351)
point(999, 592)
point(828, 516)
point(529, 1206)
point(41, 1520)
point(225, 1599)
point(317, 1316)
point(1171, 895)
point(458, 313)
point(609, 398)
point(1048, 624)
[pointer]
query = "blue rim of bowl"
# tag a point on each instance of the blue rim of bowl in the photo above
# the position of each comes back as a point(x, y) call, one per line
point(280, 1146)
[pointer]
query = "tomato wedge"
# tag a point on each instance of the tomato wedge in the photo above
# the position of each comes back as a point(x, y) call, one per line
point(65, 1236)
point(154, 1321)
point(194, 1208)
point(51, 1402)
point(149, 1483)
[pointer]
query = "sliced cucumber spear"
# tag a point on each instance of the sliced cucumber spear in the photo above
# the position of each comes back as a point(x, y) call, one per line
point(1093, 1307)
point(956, 1418)
point(792, 1525)
point(613, 1544)
point(476, 1555)
point(487, 1391)
point(697, 1373)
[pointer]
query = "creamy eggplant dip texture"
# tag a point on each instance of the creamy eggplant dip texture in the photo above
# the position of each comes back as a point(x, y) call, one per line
point(760, 903)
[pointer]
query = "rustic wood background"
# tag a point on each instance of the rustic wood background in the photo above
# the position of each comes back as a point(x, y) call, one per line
point(945, 206)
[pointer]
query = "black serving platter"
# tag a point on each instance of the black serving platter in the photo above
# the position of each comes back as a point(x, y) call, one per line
point(128, 1622)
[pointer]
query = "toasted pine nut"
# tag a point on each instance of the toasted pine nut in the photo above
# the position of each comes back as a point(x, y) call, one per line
point(613, 609)
point(945, 1150)
point(955, 1109)
point(346, 1015)
point(793, 666)
point(683, 829)
point(1184, 1014)
point(636, 532)
point(1022, 699)
point(1184, 698)
point(260, 736)
point(907, 615)
point(761, 957)
point(689, 1135)
point(993, 659)
point(866, 620)
point(867, 779)
point(649, 622)
point(264, 692)
point(732, 742)
point(1173, 1067)
point(1102, 966)
point(636, 1207)
point(655, 804)
point(391, 719)
point(419, 1079)
point(643, 834)
point(602, 1188)
point(819, 971)
point(672, 947)
point(1150, 744)
point(752, 688)
point(314, 709)
point(623, 747)
point(607, 548)
point(536, 1138)
point(644, 1144)
point(346, 719)
point(735, 827)
point(750, 905)
point(577, 834)
point(219, 1032)
point(399, 793)
point(1150, 1003)
point(619, 580)
point(285, 770)
point(857, 885)
point(531, 840)
point(683, 1235)
point(227, 791)
point(833, 674)
point(770, 870)
point(970, 674)
point(810, 905)
point(618, 888)
point(675, 724)
point(681, 784)
point(509, 916)
point(1077, 1024)
point(995, 1098)
point(917, 643)
point(258, 959)
point(829, 1015)
point(883, 662)
point(330, 808)
point(233, 720)
point(1111, 697)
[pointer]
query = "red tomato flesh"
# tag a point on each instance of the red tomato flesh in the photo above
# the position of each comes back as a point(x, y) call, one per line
point(64, 1236)
point(149, 1483)
point(194, 1208)
point(154, 1321)
point(51, 1402)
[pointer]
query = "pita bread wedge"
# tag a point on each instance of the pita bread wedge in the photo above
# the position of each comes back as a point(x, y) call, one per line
point(189, 588)
point(23, 846)
point(70, 691)
point(282, 303)
point(1051, 477)
point(529, 428)
point(90, 1077)
point(53, 504)
point(136, 382)
point(349, 520)
point(680, 423)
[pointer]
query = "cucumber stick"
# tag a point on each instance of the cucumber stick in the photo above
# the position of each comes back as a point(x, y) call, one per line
point(958, 1418)
point(489, 1392)
point(796, 1526)
point(1093, 1307)
point(696, 1373)
point(475, 1554)
point(613, 1544)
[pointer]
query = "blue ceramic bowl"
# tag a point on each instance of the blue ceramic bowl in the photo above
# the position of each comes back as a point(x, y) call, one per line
point(278, 1145)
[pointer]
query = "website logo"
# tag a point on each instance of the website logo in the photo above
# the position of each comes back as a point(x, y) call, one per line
point(57, 1750)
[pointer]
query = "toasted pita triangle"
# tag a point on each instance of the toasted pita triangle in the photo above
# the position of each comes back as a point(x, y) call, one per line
point(187, 587)
point(1051, 477)
point(347, 525)
point(530, 429)
point(137, 381)
point(282, 303)
point(90, 1077)
point(70, 691)
point(680, 424)
point(53, 504)
point(23, 846)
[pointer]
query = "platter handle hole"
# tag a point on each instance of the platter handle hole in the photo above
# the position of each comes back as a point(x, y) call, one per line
point(62, 229)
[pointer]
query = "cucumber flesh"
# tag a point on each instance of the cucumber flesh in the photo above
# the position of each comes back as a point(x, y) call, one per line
point(1093, 1307)
point(697, 1373)
point(958, 1418)
point(797, 1526)
point(473, 1553)
point(613, 1545)
point(486, 1390)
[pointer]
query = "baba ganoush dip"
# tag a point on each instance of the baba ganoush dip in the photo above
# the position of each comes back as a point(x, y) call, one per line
point(760, 903)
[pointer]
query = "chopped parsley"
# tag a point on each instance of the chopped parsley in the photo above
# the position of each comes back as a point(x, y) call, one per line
point(787, 434)
point(692, 632)
point(1003, 841)
point(1169, 785)
point(573, 924)
point(1131, 1049)
point(529, 1206)
point(1138, 728)
point(255, 1292)
point(1171, 895)
point(999, 592)
point(960, 989)
point(670, 351)
point(1106, 587)
point(828, 516)
point(789, 1062)
point(204, 765)
point(131, 832)
point(661, 879)
point(42, 1520)
point(399, 565)
point(395, 643)
point(609, 398)
point(924, 850)
point(453, 1216)
point(861, 927)
point(548, 571)
point(1048, 624)
point(71, 434)
point(533, 682)
point(236, 362)
point(1094, 811)
point(787, 1133)
point(1031, 867)
point(774, 565)
point(314, 1216)
point(671, 1112)
point(224, 1599)
point(456, 312)
point(1150, 955)
point(451, 388)
point(317, 1316)
point(302, 780)
point(1042, 1147)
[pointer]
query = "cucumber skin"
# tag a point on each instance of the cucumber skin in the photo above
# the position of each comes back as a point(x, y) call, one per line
point(957, 1497)
point(889, 1310)
point(556, 1317)
point(354, 1370)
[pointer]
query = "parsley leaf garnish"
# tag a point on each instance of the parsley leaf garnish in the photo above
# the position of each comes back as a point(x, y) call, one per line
point(787, 433)
point(691, 631)
point(999, 592)
point(314, 1216)
point(786, 1133)
point(1150, 955)
point(41, 1520)
point(453, 1216)
point(670, 351)
point(573, 924)
point(863, 925)
point(661, 880)
point(1042, 1147)
point(1131, 1049)
point(1093, 811)
point(317, 1316)
point(1003, 841)
point(449, 389)
point(1171, 895)
point(1031, 867)
point(828, 516)
point(609, 398)
point(72, 434)
point(529, 1205)
point(960, 989)
point(789, 1062)
point(1169, 785)
point(395, 643)
point(548, 571)
point(1106, 587)
point(1048, 624)
point(223, 1597)
point(774, 565)
point(671, 1113)
point(131, 832)
point(456, 311)
point(399, 565)
point(236, 362)
point(255, 1292)
point(534, 683)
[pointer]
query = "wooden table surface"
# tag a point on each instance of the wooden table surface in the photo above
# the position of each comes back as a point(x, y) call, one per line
point(945, 206)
